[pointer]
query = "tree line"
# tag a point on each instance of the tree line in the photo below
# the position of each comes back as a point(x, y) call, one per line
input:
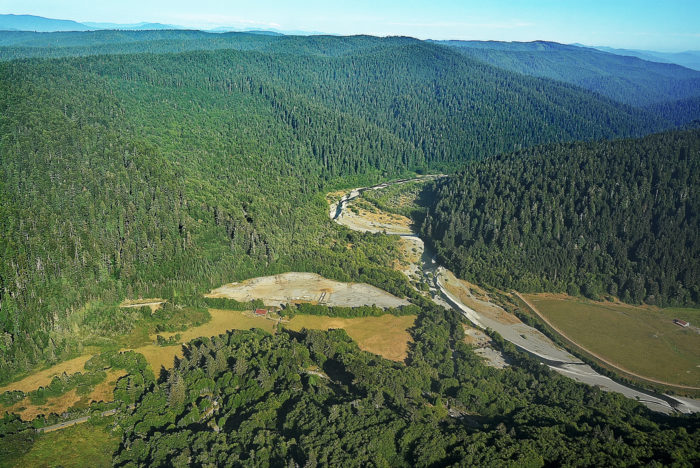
point(600, 219)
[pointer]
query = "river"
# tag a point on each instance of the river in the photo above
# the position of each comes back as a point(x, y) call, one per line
point(521, 335)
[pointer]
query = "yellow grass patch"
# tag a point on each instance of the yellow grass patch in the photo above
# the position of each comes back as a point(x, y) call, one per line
point(43, 377)
point(104, 391)
point(221, 322)
point(56, 405)
point(386, 335)
point(160, 356)
point(642, 340)
point(363, 216)
point(382, 217)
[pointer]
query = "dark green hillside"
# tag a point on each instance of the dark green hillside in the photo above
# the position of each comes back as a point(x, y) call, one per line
point(105, 197)
point(313, 399)
point(680, 113)
point(16, 44)
point(617, 218)
point(625, 79)
point(165, 174)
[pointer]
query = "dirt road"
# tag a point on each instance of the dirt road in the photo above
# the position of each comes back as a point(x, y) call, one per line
point(72, 422)
point(597, 356)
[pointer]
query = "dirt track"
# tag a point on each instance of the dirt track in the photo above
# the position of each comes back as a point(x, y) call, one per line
point(595, 355)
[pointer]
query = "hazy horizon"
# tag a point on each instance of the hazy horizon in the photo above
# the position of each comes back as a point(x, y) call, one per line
point(630, 24)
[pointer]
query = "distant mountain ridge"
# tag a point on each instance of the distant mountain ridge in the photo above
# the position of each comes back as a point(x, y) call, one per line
point(10, 22)
point(626, 79)
point(688, 59)
point(134, 26)
point(38, 24)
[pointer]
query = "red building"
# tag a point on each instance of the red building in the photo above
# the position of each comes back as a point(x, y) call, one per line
point(681, 323)
point(261, 312)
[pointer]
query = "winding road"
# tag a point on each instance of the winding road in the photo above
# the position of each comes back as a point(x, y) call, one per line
point(521, 335)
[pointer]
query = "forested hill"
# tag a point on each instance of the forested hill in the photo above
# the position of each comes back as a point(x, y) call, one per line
point(23, 44)
point(630, 80)
point(161, 174)
point(617, 218)
point(314, 399)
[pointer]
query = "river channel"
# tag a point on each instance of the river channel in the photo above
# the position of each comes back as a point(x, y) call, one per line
point(521, 335)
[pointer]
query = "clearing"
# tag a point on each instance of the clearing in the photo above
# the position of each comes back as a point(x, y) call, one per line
point(79, 446)
point(154, 303)
point(102, 392)
point(386, 335)
point(360, 215)
point(43, 377)
point(221, 322)
point(307, 287)
point(640, 340)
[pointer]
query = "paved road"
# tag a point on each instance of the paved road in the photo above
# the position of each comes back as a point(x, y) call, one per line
point(528, 338)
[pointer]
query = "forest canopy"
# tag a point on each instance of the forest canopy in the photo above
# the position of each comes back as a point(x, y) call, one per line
point(608, 218)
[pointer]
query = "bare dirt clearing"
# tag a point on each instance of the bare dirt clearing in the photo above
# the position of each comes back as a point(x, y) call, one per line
point(360, 219)
point(307, 287)
point(386, 335)
point(154, 303)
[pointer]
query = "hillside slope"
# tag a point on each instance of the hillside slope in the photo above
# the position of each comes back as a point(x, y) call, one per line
point(630, 80)
point(161, 174)
point(617, 218)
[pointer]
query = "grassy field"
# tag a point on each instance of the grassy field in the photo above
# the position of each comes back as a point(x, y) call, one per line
point(102, 392)
point(43, 377)
point(77, 446)
point(386, 335)
point(221, 321)
point(157, 356)
point(643, 340)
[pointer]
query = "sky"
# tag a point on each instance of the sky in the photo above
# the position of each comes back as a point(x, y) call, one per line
point(664, 25)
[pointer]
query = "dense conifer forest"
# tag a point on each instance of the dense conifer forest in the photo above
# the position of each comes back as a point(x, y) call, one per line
point(625, 79)
point(152, 174)
point(611, 218)
point(163, 164)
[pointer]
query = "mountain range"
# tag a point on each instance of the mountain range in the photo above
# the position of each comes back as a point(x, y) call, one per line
point(10, 22)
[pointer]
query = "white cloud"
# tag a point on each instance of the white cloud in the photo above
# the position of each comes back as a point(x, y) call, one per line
point(200, 20)
point(515, 24)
